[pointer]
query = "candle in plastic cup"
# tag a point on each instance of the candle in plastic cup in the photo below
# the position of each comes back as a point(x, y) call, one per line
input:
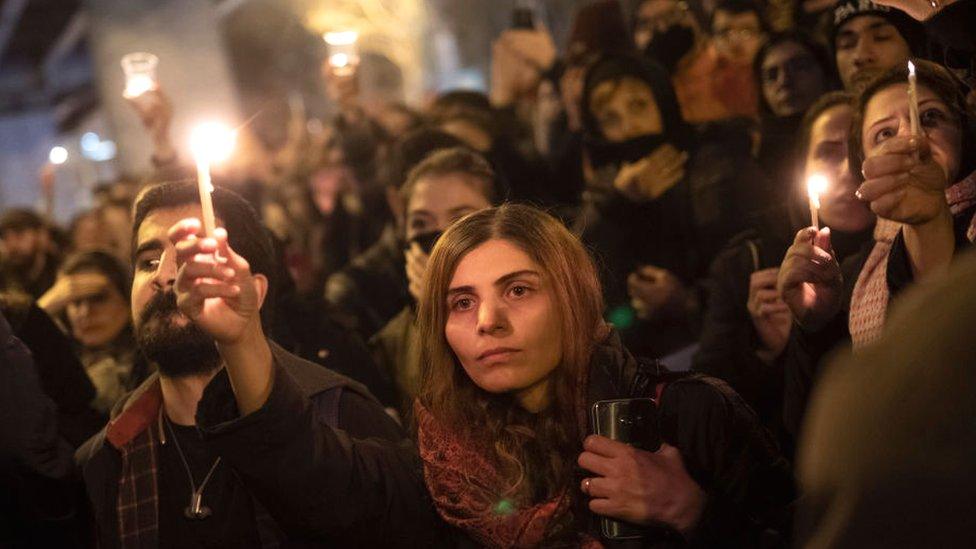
point(140, 73)
point(343, 50)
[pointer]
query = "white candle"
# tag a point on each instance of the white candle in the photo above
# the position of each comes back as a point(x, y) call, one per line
point(912, 99)
point(211, 143)
point(816, 184)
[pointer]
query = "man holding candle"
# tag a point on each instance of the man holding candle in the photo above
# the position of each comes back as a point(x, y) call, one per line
point(177, 466)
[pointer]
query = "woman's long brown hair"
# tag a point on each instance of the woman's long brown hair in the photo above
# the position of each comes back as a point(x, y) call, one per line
point(535, 453)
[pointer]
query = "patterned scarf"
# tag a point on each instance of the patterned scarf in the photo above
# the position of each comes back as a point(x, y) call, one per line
point(467, 491)
point(869, 302)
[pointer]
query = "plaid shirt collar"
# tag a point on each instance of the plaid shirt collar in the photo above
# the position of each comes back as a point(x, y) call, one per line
point(136, 432)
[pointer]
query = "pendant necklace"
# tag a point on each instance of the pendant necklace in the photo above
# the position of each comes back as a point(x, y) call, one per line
point(196, 510)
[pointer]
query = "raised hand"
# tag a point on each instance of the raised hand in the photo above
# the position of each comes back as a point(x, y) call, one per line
point(655, 292)
point(640, 487)
point(810, 281)
point(653, 175)
point(416, 267)
point(214, 285)
point(770, 315)
point(903, 182)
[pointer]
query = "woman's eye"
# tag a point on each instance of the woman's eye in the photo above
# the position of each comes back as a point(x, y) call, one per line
point(462, 304)
point(932, 117)
point(519, 291)
point(883, 135)
point(638, 105)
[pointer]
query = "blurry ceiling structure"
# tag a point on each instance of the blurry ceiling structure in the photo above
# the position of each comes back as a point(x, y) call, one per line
point(44, 60)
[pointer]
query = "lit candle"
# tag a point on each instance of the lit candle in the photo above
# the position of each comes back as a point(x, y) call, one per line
point(816, 184)
point(58, 156)
point(211, 143)
point(343, 51)
point(912, 99)
point(140, 73)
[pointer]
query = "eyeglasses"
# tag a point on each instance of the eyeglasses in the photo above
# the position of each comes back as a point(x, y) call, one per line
point(737, 35)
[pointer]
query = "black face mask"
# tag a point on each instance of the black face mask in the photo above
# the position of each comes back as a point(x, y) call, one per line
point(605, 153)
point(426, 241)
point(668, 47)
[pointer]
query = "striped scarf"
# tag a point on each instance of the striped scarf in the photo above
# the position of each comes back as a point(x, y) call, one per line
point(869, 302)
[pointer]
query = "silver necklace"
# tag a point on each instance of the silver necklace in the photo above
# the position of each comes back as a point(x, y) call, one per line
point(196, 510)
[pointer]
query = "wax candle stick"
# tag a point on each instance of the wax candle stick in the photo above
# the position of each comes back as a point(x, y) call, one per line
point(913, 99)
point(816, 184)
point(210, 143)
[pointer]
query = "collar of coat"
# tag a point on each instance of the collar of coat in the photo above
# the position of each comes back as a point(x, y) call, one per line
point(135, 414)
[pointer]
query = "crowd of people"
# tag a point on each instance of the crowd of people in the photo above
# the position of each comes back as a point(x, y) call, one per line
point(397, 333)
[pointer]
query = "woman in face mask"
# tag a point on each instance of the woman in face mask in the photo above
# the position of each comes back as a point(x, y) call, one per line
point(659, 203)
point(443, 188)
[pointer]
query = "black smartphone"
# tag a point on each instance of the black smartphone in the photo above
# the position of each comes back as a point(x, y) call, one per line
point(523, 18)
point(633, 421)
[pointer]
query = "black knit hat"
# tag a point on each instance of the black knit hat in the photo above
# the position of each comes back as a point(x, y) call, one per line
point(911, 30)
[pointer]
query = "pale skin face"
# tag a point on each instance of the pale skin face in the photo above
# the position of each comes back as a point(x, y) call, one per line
point(625, 109)
point(791, 79)
point(737, 35)
point(97, 319)
point(502, 323)
point(887, 115)
point(438, 201)
point(867, 45)
point(827, 155)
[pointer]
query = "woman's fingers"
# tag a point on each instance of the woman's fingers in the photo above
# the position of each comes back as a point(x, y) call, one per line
point(872, 189)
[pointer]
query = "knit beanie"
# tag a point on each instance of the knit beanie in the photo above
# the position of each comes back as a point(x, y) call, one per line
point(911, 30)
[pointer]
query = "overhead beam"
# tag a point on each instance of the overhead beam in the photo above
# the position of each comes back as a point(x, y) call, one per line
point(9, 19)
point(73, 33)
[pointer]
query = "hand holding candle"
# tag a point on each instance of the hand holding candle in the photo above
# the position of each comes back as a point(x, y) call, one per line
point(816, 185)
point(211, 143)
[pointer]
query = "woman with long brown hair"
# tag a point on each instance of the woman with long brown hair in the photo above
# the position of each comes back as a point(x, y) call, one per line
point(514, 352)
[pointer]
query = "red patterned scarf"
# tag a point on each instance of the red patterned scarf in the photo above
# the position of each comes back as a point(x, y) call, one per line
point(869, 302)
point(467, 491)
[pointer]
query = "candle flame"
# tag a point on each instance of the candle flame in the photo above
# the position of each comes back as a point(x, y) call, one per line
point(911, 68)
point(341, 38)
point(339, 60)
point(816, 185)
point(138, 85)
point(212, 142)
point(58, 156)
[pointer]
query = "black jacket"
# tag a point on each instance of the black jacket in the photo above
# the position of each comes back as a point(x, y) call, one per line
point(39, 504)
point(356, 485)
point(807, 350)
point(727, 348)
point(725, 449)
point(372, 288)
point(354, 409)
point(679, 231)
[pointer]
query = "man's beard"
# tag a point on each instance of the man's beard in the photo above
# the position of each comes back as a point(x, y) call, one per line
point(178, 351)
